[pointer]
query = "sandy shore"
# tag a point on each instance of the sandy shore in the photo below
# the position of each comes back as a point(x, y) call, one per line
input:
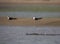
point(30, 22)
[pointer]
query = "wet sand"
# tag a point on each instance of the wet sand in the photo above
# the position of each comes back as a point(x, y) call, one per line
point(30, 22)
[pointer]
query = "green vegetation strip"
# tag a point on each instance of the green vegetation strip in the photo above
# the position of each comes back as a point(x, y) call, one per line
point(34, 9)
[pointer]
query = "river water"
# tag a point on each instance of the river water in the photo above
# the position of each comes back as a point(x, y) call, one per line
point(31, 14)
point(17, 35)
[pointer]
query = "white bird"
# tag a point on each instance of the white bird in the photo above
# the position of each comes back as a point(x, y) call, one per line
point(33, 18)
point(8, 17)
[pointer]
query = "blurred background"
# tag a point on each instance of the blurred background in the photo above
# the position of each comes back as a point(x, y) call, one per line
point(30, 8)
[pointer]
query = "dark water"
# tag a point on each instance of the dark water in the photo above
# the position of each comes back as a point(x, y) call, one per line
point(31, 14)
point(17, 35)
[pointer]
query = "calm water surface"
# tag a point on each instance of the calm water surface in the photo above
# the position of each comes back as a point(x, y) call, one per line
point(17, 35)
point(31, 14)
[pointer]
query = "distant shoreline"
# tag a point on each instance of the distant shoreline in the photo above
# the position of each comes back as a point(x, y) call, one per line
point(30, 8)
point(15, 6)
point(32, 2)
